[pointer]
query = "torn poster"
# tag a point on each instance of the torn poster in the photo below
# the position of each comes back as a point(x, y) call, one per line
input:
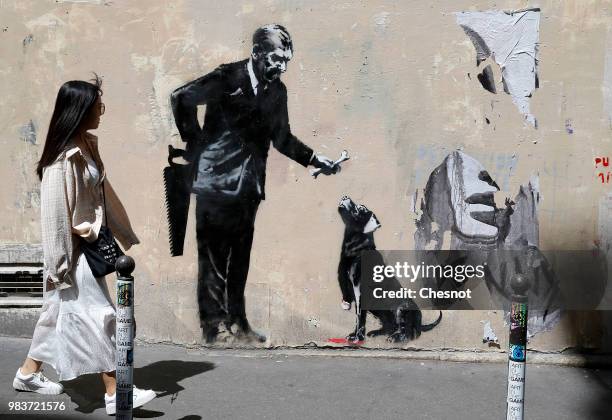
point(488, 335)
point(459, 198)
point(511, 40)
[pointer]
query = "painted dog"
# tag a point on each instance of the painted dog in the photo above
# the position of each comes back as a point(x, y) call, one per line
point(402, 324)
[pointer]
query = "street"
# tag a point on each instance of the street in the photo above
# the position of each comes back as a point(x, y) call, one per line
point(260, 384)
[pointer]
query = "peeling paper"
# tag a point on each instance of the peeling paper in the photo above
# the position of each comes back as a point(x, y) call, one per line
point(511, 39)
point(488, 335)
point(458, 202)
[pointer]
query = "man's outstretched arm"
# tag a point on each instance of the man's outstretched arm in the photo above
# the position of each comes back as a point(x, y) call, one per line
point(285, 142)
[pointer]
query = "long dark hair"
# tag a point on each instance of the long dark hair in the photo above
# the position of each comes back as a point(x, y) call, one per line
point(74, 103)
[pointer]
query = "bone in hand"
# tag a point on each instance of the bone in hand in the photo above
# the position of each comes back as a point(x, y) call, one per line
point(343, 156)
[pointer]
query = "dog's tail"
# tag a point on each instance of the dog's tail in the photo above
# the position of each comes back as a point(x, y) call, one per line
point(429, 327)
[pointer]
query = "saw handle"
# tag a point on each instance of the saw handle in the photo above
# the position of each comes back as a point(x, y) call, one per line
point(173, 153)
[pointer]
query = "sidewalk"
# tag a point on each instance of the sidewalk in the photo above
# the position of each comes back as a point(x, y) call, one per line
point(217, 384)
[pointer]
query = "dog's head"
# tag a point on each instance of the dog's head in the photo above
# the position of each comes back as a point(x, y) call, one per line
point(357, 217)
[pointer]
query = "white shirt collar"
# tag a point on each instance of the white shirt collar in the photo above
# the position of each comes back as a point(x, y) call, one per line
point(254, 81)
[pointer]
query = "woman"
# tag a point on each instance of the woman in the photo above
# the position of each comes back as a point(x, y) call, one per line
point(76, 330)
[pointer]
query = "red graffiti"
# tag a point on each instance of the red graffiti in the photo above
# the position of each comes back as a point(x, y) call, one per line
point(603, 160)
point(346, 341)
point(605, 177)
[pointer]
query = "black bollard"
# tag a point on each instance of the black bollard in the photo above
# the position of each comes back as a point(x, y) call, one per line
point(517, 352)
point(125, 337)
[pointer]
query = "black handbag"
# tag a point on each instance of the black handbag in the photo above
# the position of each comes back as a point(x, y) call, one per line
point(102, 253)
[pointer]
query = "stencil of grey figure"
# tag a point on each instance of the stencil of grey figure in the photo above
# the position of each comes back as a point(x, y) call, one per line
point(246, 111)
point(459, 198)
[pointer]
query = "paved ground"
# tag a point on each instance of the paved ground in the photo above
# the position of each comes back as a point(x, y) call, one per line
point(216, 384)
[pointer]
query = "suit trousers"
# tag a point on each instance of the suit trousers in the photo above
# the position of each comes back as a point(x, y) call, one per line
point(224, 236)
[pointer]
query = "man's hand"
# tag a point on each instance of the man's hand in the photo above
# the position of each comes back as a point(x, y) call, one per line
point(192, 151)
point(325, 165)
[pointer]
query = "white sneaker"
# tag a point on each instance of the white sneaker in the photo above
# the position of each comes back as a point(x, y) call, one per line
point(36, 382)
point(139, 398)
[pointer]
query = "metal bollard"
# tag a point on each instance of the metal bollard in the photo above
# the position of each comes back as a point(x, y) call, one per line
point(125, 337)
point(517, 352)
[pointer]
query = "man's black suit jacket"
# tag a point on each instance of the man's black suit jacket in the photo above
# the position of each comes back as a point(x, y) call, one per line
point(234, 116)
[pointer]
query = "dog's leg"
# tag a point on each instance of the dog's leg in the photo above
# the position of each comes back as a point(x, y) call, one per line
point(344, 281)
point(359, 333)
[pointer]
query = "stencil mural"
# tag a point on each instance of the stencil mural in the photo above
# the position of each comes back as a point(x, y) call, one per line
point(246, 111)
point(402, 323)
point(459, 205)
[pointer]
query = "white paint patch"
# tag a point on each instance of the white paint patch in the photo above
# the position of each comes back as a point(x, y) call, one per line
point(381, 20)
point(50, 31)
point(512, 40)
point(139, 62)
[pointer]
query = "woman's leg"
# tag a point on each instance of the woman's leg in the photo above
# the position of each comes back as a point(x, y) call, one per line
point(30, 366)
point(110, 383)
point(30, 378)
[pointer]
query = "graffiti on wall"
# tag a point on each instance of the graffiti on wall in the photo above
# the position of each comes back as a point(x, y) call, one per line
point(400, 324)
point(246, 111)
point(602, 164)
point(459, 212)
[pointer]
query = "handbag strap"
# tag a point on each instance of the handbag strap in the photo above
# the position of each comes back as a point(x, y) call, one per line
point(104, 201)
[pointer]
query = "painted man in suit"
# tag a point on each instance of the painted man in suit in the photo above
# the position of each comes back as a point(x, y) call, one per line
point(246, 110)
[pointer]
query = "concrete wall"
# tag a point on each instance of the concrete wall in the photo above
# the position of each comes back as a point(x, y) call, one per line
point(386, 80)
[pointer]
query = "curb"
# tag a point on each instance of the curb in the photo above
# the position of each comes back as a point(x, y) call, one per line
point(441, 355)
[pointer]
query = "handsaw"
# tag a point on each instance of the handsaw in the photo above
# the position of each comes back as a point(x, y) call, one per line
point(177, 188)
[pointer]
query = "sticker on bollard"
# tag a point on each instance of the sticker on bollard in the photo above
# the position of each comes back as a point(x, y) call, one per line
point(125, 338)
point(516, 390)
point(517, 350)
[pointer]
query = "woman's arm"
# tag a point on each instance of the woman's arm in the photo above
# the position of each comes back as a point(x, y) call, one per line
point(56, 193)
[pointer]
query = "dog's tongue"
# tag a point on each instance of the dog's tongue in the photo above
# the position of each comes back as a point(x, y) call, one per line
point(343, 340)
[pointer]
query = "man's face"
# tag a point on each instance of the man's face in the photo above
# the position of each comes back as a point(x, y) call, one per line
point(270, 64)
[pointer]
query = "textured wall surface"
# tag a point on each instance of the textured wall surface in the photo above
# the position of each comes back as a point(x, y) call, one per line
point(393, 82)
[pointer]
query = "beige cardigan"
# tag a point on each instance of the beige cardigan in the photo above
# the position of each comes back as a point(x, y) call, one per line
point(72, 210)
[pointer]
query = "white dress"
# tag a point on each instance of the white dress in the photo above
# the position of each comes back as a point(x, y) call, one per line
point(76, 330)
